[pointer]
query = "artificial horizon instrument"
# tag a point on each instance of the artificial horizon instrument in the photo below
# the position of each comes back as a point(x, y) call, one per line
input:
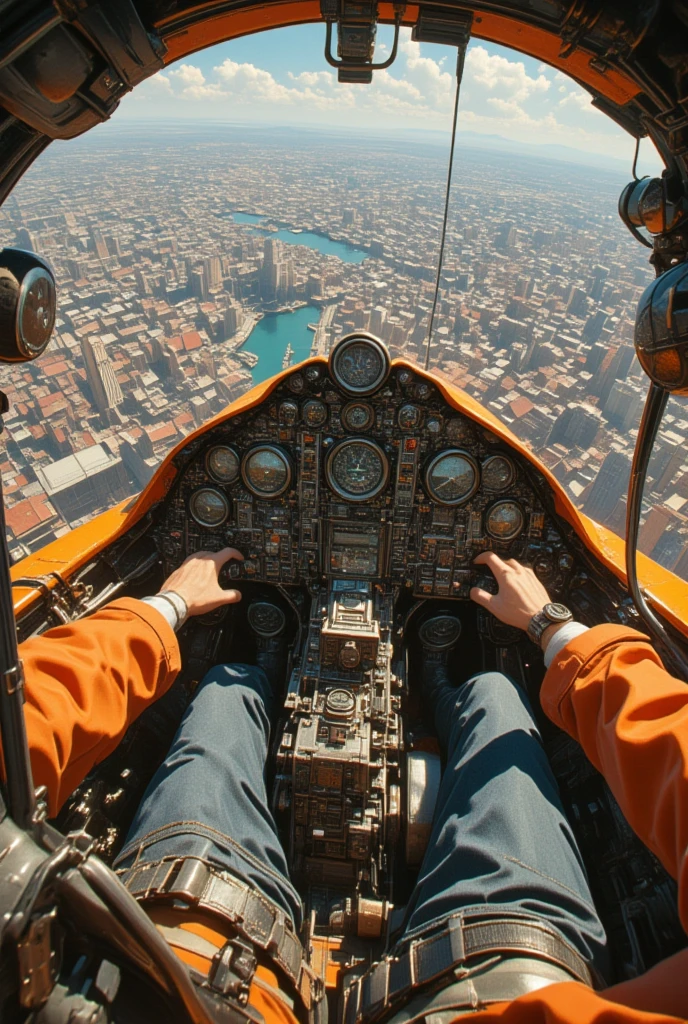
point(359, 490)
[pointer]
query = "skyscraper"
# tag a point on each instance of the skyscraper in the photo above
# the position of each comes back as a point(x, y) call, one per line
point(107, 394)
point(608, 485)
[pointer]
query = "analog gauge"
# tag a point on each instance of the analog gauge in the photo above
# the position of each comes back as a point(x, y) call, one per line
point(266, 471)
point(357, 470)
point(434, 425)
point(296, 383)
point(452, 477)
point(208, 506)
point(358, 416)
point(499, 473)
point(314, 413)
point(222, 464)
point(359, 364)
point(504, 520)
point(409, 417)
point(440, 632)
point(288, 413)
point(340, 703)
point(266, 619)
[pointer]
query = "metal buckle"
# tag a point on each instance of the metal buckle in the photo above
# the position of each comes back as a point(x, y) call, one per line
point(232, 970)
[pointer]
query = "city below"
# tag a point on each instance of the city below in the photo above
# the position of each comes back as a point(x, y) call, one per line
point(195, 263)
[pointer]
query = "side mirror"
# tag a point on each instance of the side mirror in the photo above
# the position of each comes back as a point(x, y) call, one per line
point(28, 303)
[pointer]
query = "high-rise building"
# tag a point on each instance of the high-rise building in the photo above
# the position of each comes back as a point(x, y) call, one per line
point(213, 273)
point(599, 279)
point(233, 319)
point(593, 327)
point(576, 426)
point(107, 394)
point(611, 481)
point(378, 315)
point(99, 244)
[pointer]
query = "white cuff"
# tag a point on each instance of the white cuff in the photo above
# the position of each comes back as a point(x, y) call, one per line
point(569, 631)
point(171, 606)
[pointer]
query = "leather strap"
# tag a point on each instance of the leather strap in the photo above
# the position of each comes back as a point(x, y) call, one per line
point(199, 884)
point(453, 946)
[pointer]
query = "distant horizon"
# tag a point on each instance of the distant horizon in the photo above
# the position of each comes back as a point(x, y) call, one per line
point(474, 140)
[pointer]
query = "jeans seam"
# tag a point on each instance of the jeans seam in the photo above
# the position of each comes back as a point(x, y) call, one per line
point(555, 881)
point(138, 846)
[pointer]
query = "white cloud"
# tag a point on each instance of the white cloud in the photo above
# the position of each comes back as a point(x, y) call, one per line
point(496, 72)
point(188, 74)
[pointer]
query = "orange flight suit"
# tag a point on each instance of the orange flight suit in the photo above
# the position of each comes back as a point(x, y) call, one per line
point(86, 682)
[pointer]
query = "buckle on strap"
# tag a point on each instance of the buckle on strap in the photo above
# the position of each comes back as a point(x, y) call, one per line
point(253, 915)
point(459, 940)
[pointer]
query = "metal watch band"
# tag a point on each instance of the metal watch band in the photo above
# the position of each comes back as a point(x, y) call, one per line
point(551, 615)
point(199, 884)
point(388, 983)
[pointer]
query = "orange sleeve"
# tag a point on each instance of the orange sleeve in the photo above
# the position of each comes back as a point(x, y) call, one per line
point(86, 682)
point(609, 690)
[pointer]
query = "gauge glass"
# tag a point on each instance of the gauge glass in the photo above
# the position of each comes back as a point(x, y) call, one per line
point(357, 416)
point(266, 471)
point(440, 632)
point(223, 464)
point(452, 477)
point(209, 507)
point(409, 417)
point(314, 413)
point(266, 619)
point(288, 413)
point(36, 311)
point(504, 521)
point(498, 473)
point(357, 470)
point(360, 365)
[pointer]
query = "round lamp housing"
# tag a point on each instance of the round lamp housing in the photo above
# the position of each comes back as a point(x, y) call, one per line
point(28, 304)
point(661, 330)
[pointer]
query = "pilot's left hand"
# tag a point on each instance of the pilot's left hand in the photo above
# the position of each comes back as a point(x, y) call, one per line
point(196, 581)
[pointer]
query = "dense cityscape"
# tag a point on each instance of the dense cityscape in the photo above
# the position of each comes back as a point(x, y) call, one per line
point(174, 250)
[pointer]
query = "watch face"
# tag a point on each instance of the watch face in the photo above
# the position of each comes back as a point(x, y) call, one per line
point(557, 612)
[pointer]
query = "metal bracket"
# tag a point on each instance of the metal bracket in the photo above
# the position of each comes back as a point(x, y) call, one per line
point(64, 600)
point(39, 961)
point(356, 29)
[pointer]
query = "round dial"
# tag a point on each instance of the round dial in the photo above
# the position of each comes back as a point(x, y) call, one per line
point(340, 702)
point(452, 477)
point(357, 470)
point(409, 417)
point(288, 413)
point(266, 471)
point(222, 463)
point(208, 506)
point(314, 413)
point(266, 619)
point(36, 310)
point(440, 632)
point(499, 473)
point(359, 365)
point(504, 520)
point(357, 416)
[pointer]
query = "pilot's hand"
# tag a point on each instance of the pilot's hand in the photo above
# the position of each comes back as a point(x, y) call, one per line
point(521, 595)
point(196, 580)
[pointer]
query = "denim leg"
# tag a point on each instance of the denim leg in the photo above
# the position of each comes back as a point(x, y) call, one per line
point(500, 838)
point(208, 798)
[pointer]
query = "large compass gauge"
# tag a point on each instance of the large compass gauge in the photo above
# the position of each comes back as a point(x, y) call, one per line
point(357, 470)
point(359, 364)
point(266, 471)
point(504, 520)
point(499, 473)
point(452, 477)
point(209, 507)
point(222, 464)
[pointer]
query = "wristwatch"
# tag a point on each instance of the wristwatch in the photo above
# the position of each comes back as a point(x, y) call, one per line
point(551, 614)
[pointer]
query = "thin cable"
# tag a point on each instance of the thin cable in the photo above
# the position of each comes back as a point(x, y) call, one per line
point(459, 75)
point(634, 170)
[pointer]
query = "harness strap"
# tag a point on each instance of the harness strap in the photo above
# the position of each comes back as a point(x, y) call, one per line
point(451, 947)
point(195, 882)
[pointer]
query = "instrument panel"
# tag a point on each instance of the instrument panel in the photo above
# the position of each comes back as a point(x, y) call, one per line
point(363, 470)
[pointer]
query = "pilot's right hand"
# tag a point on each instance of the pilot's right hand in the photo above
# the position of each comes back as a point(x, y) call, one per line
point(197, 581)
point(521, 594)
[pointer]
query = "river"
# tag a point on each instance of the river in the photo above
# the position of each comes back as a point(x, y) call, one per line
point(271, 335)
point(321, 243)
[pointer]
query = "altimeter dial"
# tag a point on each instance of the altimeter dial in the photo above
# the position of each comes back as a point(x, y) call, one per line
point(499, 473)
point(504, 520)
point(357, 469)
point(222, 463)
point(209, 507)
point(452, 477)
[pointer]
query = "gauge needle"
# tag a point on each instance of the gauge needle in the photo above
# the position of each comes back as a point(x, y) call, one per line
point(449, 480)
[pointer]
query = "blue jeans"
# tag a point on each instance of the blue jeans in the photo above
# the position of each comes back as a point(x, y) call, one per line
point(500, 841)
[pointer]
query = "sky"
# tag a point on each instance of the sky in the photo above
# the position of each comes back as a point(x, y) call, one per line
point(281, 76)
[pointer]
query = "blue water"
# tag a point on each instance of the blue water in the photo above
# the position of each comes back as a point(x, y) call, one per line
point(346, 253)
point(269, 339)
